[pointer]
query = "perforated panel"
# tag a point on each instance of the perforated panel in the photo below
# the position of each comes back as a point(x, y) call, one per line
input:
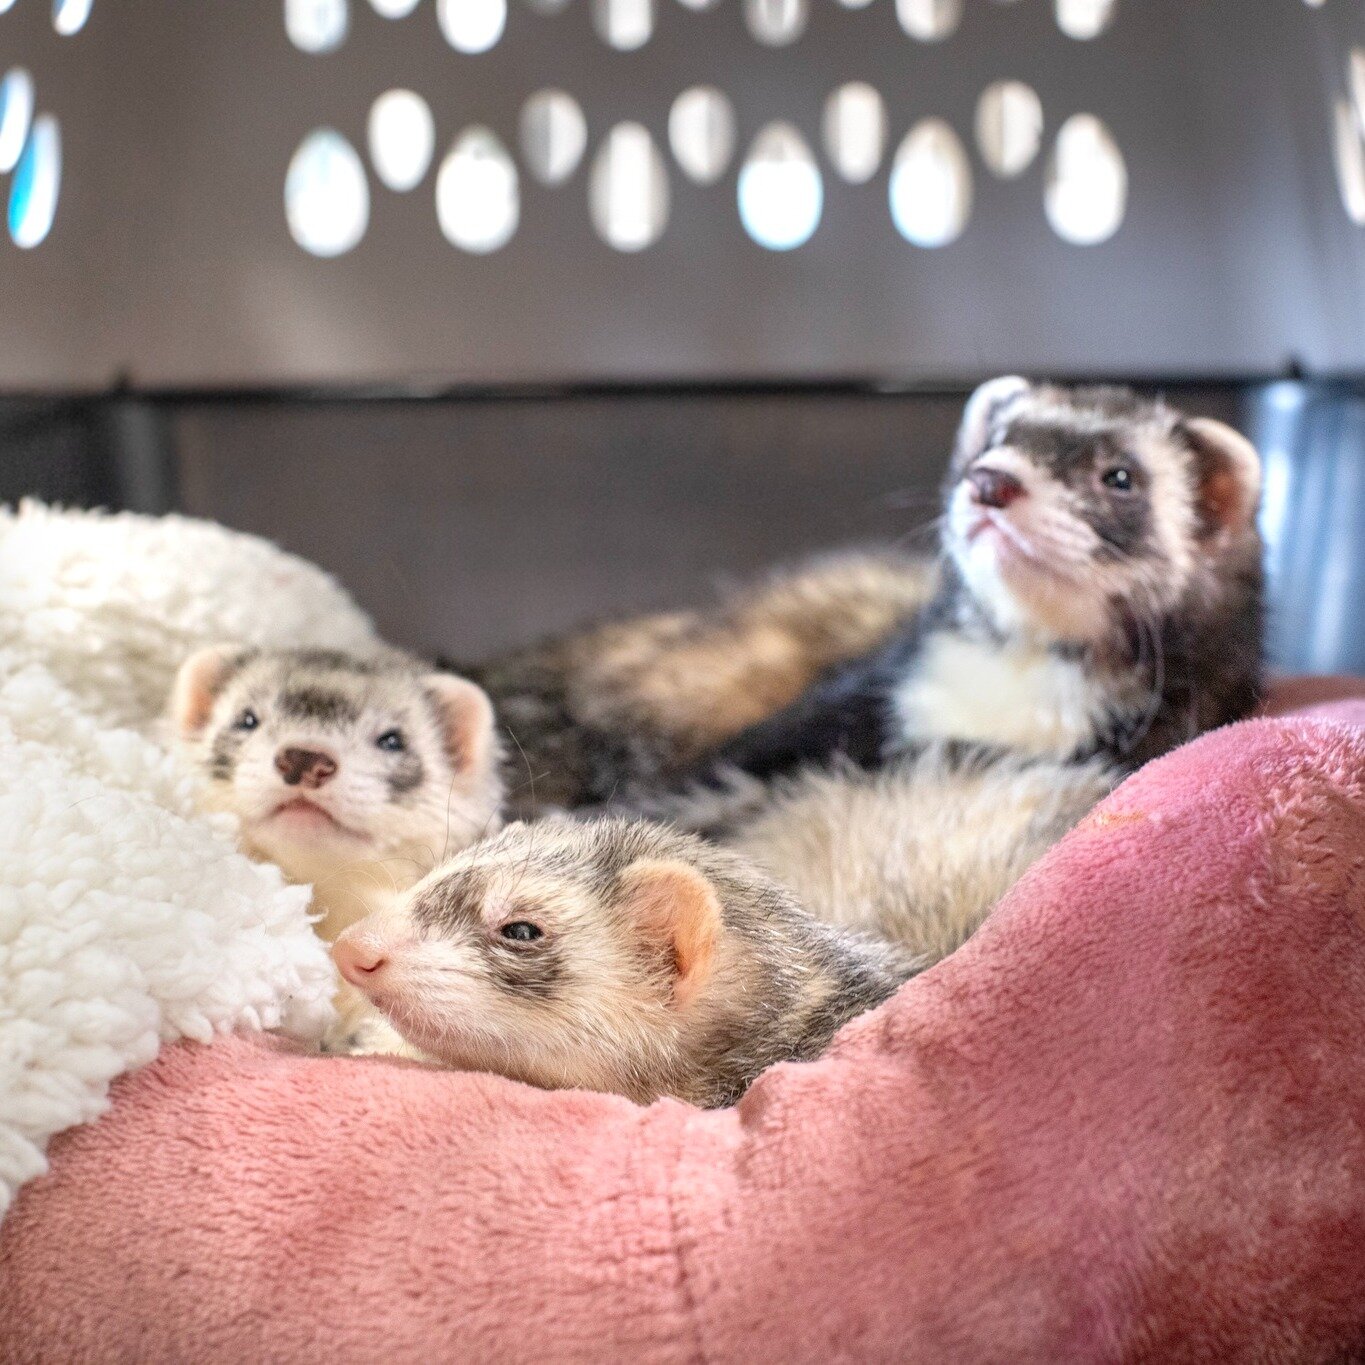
point(1182, 205)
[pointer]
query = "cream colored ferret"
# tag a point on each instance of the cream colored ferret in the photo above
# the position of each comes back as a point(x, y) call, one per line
point(613, 955)
point(356, 775)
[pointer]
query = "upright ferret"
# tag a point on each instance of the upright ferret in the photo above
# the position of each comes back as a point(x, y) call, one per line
point(1099, 595)
point(356, 775)
point(1099, 603)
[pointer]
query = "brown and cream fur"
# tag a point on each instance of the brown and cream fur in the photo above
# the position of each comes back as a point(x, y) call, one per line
point(635, 702)
point(355, 775)
point(614, 955)
point(1084, 624)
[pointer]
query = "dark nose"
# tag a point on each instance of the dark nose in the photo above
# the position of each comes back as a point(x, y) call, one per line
point(993, 487)
point(305, 766)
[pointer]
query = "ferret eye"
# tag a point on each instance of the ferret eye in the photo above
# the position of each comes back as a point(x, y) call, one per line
point(248, 720)
point(522, 931)
point(1120, 478)
point(391, 741)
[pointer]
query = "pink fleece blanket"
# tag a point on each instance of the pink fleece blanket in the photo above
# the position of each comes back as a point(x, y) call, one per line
point(1125, 1122)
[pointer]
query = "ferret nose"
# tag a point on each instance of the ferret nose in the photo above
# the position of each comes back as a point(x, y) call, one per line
point(308, 767)
point(359, 960)
point(994, 487)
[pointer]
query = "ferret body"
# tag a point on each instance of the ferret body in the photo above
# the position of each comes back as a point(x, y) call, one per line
point(354, 775)
point(1099, 603)
point(614, 955)
point(635, 702)
point(1099, 595)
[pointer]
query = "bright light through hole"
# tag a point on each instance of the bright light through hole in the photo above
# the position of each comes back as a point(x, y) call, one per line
point(624, 24)
point(554, 135)
point(781, 192)
point(16, 114)
point(316, 25)
point(929, 21)
point(472, 26)
point(1086, 193)
point(326, 195)
point(36, 185)
point(776, 22)
point(1009, 127)
point(701, 131)
point(1348, 147)
point(931, 185)
point(1085, 19)
point(855, 131)
point(393, 9)
point(69, 16)
point(628, 195)
point(402, 137)
point(478, 201)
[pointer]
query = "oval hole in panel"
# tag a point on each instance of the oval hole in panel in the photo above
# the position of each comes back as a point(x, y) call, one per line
point(472, 26)
point(628, 194)
point(402, 136)
point(37, 184)
point(854, 130)
point(1009, 127)
point(69, 16)
point(16, 116)
point(781, 191)
point(701, 132)
point(931, 185)
point(393, 9)
point(775, 23)
point(478, 200)
point(554, 135)
point(929, 21)
point(1348, 147)
point(1085, 19)
point(624, 24)
point(316, 25)
point(1086, 193)
point(326, 195)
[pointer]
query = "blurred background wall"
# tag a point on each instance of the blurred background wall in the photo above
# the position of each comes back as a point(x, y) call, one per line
point(515, 311)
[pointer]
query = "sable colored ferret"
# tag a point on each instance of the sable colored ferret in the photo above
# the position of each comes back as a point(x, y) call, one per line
point(357, 775)
point(1099, 603)
point(613, 955)
point(1099, 595)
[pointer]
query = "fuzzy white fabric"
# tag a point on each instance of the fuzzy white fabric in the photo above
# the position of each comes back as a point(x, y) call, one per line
point(126, 918)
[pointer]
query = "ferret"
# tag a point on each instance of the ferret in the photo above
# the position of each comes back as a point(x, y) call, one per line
point(357, 775)
point(1099, 595)
point(633, 703)
point(1099, 603)
point(613, 955)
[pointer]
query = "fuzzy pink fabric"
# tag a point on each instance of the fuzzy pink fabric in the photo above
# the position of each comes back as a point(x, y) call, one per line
point(1125, 1122)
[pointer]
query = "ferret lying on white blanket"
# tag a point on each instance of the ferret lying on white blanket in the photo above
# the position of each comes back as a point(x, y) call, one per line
point(126, 919)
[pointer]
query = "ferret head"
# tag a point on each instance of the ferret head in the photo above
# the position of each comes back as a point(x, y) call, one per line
point(562, 954)
point(330, 760)
point(1070, 512)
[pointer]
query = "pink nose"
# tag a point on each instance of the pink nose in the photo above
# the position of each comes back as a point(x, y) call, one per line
point(359, 960)
point(994, 487)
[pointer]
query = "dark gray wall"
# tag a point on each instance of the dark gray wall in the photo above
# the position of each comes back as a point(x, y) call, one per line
point(466, 526)
point(170, 263)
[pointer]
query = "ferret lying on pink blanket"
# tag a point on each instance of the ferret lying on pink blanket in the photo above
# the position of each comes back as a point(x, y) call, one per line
point(1125, 1122)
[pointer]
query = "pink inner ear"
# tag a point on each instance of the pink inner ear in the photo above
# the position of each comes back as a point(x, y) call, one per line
point(196, 689)
point(676, 903)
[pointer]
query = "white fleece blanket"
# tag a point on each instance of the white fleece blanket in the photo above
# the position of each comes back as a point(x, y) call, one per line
point(126, 919)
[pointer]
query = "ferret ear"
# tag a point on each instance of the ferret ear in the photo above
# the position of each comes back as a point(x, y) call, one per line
point(467, 721)
point(675, 905)
point(197, 685)
point(984, 409)
point(1229, 473)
